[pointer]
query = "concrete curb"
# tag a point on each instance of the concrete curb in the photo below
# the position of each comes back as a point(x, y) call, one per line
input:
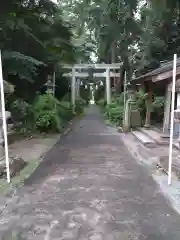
point(136, 149)
point(171, 193)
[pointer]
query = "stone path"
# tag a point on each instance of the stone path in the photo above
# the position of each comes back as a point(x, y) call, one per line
point(89, 187)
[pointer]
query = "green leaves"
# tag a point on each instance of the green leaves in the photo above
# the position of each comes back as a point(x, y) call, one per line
point(16, 63)
point(34, 38)
point(159, 38)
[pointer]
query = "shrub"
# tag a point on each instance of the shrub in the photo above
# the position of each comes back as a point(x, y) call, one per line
point(79, 105)
point(22, 115)
point(65, 111)
point(119, 99)
point(158, 108)
point(102, 102)
point(46, 113)
point(140, 98)
point(66, 97)
point(114, 112)
point(48, 121)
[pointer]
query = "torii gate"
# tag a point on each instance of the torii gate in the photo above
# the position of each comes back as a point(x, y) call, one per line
point(107, 74)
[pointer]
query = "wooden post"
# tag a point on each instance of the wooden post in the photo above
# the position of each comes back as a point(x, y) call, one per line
point(73, 88)
point(148, 106)
point(167, 111)
point(108, 86)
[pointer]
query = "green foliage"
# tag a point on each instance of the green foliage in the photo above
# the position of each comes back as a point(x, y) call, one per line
point(157, 111)
point(20, 110)
point(114, 111)
point(140, 98)
point(51, 115)
point(22, 115)
point(99, 94)
point(34, 39)
point(102, 102)
point(48, 120)
point(46, 113)
point(80, 104)
point(85, 93)
point(65, 111)
point(159, 38)
point(66, 97)
point(65, 104)
point(158, 108)
point(16, 63)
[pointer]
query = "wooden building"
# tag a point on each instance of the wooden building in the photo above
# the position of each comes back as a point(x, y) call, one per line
point(161, 78)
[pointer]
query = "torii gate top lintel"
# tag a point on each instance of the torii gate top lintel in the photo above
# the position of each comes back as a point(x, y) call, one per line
point(96, 66)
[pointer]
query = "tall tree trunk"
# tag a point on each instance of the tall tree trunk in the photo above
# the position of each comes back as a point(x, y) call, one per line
point(113, 52)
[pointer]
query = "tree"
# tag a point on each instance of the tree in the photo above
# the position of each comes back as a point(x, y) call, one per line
point(34, 40)
point(160, 39)
point(111, 25)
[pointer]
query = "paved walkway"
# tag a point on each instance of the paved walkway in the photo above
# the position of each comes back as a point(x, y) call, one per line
point(90, 187)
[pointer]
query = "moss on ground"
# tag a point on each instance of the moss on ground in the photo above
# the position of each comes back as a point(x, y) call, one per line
point(19, 179)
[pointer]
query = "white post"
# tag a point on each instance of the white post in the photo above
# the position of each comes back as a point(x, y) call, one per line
point(77, 88)
point(108, 86)
point(73, 87)
point(4, 122)
point(172, 120)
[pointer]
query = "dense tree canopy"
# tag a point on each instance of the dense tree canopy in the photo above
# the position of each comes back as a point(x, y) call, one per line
point(159, 39)
point(138, 33)
point(36, 37)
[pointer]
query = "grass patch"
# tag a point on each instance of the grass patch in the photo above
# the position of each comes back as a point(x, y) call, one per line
point(108, 122)
point(19, 179)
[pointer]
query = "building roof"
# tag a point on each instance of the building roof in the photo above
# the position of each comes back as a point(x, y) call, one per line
point(164, 67)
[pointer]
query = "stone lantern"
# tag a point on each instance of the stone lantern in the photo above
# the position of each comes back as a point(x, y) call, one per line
point(130, 93)
point(49, 85)
point(132, 117)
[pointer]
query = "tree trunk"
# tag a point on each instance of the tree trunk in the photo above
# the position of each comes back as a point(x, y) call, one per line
point(120, 81)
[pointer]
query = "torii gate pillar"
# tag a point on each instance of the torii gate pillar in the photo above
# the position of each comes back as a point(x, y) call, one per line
point(73, 88)
point(108, 86)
